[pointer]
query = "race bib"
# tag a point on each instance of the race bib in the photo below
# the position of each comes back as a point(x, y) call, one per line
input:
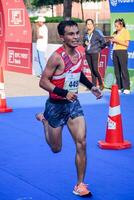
point(72, 82)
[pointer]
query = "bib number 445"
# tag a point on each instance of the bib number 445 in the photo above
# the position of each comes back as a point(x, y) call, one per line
point(73, 84)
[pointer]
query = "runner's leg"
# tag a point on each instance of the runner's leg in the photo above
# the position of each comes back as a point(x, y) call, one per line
point(77, 129)
point(53, 136)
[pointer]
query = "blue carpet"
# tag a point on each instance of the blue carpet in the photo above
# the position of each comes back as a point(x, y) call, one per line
point(30, 171)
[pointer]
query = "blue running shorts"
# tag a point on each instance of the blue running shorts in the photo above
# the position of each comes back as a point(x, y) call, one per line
point(57, 112)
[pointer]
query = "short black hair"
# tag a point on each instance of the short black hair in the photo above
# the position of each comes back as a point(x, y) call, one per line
point(61, 26)
point(89, 20)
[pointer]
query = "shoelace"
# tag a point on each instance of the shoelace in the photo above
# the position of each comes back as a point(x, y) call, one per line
point(80, 189)
point(86, 185)
point(83, 184)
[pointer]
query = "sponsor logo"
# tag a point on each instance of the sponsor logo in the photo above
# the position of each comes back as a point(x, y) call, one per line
point(111, 54)
point(111, 124)
point(109, 80)
point(16, 17)
point(125, 1)
point(130, 27)
point(114, 2)
point(131, 55)
point(18, 57)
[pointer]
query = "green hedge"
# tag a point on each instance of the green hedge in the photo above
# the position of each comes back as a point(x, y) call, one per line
point(55, 19)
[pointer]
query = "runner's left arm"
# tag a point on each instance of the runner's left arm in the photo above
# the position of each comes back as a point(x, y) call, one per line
point(85, 81)
point(96, 91)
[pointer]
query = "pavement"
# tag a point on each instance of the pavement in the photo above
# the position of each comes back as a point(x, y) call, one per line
point(18, 84)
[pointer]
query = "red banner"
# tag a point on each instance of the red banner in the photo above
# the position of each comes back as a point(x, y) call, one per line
point(15, 29)
point(1, 32)
point(18, 57)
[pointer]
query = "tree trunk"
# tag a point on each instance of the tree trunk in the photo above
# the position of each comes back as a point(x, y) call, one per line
point(52, 10)
point(28, 3)
point(82, 11)
point(67, 12)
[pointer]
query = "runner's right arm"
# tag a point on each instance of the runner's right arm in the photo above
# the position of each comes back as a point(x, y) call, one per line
point(54, 64)
point(51, 67)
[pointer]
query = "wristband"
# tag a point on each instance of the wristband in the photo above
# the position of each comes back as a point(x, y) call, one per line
point(85, 81)
point(60, 92)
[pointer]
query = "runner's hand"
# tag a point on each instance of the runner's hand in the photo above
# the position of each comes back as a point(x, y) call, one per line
point(97, 92)
point(71, 96)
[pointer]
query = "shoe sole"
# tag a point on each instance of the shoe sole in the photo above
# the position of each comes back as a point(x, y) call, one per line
point(86, 195)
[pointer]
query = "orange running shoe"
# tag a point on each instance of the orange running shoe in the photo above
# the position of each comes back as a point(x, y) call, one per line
point(82, 190)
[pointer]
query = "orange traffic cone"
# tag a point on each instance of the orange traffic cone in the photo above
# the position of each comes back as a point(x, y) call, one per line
point(114, 133)
point(3, 105)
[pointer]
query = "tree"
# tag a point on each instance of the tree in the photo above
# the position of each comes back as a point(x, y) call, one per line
point(68, 7)
point(27, 3)
point(82, 11)
point(67, 11)
point(81, 3)
point(49, 3)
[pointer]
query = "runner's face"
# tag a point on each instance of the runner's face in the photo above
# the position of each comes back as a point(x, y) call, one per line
point(71, 36)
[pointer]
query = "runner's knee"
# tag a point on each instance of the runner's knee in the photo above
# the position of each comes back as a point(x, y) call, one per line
point(55, 149)
point(81, 145)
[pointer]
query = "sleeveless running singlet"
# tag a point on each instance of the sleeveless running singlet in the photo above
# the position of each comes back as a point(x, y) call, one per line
point(69, 79)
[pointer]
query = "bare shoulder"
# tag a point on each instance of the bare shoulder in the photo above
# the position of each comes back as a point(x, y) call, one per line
point(54, 60)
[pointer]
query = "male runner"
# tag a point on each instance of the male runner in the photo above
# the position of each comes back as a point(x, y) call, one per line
point(61, 79)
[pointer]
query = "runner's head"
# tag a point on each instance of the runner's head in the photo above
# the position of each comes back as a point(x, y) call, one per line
point(69, 33)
